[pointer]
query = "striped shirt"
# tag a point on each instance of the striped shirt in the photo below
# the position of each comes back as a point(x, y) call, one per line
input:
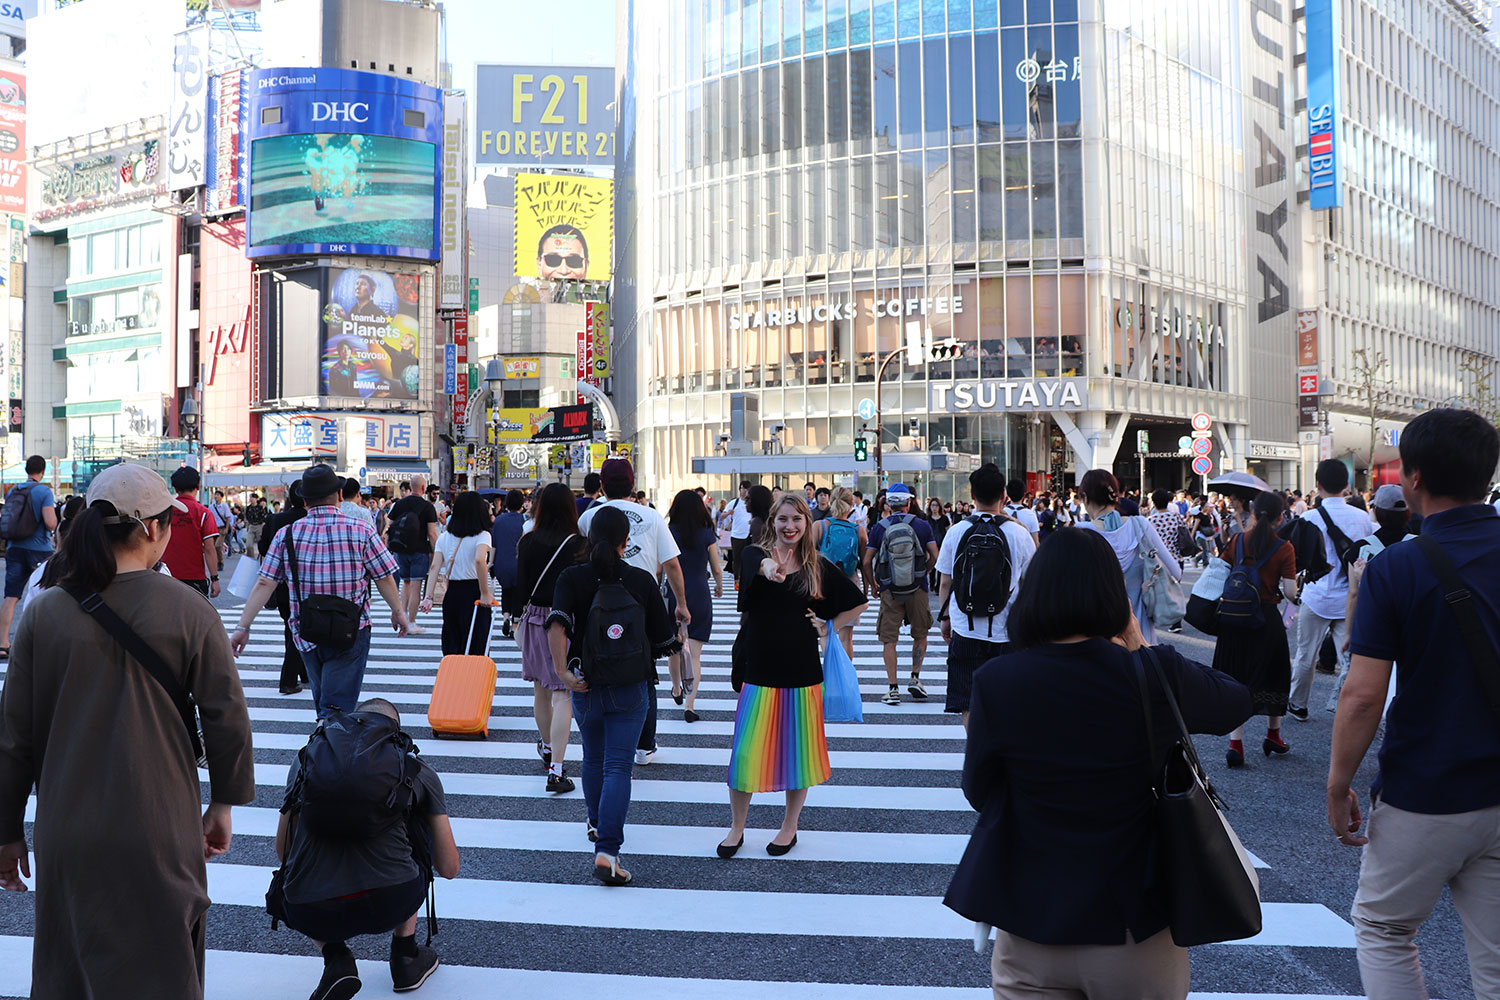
point(336, 554)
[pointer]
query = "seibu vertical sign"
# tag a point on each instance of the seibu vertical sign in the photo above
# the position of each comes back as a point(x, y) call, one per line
point(1323, 104)
point(461, 348)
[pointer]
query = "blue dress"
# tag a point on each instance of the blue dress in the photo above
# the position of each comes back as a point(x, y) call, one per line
point(694, 563)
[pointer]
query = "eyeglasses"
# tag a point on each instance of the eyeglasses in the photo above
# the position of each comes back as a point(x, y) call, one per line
point(552, 260)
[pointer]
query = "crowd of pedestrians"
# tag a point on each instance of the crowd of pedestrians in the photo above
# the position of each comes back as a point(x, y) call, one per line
point(1050, 608)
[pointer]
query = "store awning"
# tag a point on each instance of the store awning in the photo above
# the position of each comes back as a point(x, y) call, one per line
point(833, 462)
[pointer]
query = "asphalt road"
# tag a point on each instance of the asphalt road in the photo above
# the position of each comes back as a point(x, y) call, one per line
point(856, 905)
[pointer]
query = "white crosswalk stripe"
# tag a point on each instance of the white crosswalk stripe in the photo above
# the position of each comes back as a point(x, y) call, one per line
point(876, 848)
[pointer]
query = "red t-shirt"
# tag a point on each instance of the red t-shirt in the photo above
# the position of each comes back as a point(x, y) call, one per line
point(184, 555)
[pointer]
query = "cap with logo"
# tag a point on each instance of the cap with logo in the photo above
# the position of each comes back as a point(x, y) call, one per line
point(898, 495)
point(135, 492)
point(1390, 497)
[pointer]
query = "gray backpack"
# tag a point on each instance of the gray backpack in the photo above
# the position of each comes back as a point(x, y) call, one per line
point(900, 562)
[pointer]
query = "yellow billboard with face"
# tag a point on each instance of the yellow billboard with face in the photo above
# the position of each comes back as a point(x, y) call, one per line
point(564, 227)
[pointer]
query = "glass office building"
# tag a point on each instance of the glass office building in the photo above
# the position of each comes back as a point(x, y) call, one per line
point(1096, 200)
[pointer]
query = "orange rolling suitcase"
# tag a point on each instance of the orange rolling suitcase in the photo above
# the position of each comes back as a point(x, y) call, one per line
point(464, 691)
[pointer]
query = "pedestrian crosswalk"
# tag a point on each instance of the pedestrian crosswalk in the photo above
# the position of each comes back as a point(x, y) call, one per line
point(855, 911)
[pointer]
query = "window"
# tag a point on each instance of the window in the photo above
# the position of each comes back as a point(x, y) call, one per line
point(986, 87)
point(836, 119)
point(909, 59)
point(885, 98)
point(960, 89)
point(935, 91)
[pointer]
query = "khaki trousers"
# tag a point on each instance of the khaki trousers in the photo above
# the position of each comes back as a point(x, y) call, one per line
point(1409, 858)
point(1153, 969)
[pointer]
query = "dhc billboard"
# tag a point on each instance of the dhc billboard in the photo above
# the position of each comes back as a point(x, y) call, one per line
point(1324, 108)
point(344, 162)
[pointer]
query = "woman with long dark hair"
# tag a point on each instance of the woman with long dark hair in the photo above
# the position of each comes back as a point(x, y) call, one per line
point(787, 592)
point(1101, 497)
point(459, 576)
point(607, 658)
point(758, 503)
point(121, 832)
point(939, 523)
point(1260, 657)
point(693, 531)
point(551, 546)
point(293, 667)
point(1064, 860)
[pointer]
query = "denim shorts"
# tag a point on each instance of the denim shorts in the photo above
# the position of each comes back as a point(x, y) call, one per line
point(412, 565)
point(19, 565)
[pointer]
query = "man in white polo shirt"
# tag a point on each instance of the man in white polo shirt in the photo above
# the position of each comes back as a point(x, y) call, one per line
point(739, 527)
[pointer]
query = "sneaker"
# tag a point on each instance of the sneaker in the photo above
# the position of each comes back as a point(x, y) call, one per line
point(916, 689)
point(644, 757)
point(559, 784)
point(893, 696)
point(410, 971)
point(416, 630)
point(544, 752)
point(1297, 712)
point(340, 977)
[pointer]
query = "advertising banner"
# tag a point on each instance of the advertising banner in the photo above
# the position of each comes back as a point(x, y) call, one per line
point(564, 227)
point(545, 115)
point(15, 422)
point(90, 183)
point(450, 369)
point(371, 334)
point(187, 128)
point(12, 141)
point(452, 285)
point(1307, 337)
point(226, 100)
point(553, 425)
point(13, 17)
point(291, 436)
point(523, 367)
point(598, 329)
point(1324, 105)
point(461, 348)
point(343, 161)
point(583, 357)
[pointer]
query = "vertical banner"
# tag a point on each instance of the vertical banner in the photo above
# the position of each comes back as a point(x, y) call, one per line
point(187, 135)
point(461, 348)
point(1324, 106)
point(583, 355)
point(451, 291)
point(13, 141)
point(450, 369)
point(598, 328)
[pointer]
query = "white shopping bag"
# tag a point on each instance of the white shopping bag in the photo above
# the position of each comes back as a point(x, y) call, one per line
point(246, 571)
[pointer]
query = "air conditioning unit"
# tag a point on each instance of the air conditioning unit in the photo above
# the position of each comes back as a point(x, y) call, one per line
point(909, 443)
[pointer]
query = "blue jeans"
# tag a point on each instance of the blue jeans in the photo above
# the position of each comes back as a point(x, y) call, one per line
point(337, 675)
point(609, 720)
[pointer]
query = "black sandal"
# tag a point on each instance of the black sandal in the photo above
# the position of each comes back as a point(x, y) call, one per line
point(611, 875)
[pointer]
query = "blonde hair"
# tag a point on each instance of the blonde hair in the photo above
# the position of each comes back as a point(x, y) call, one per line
point(811, 572)
point(841, 502)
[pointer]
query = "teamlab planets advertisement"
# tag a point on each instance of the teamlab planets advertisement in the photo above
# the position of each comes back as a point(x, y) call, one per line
point(371, 334)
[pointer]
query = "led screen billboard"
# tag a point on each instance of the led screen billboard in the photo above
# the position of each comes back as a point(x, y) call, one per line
point(371, 335)
point(343, 162)
point(564, 227)
point(545, 115)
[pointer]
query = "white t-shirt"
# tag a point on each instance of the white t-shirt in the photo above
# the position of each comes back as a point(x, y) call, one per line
point(223, 514)
point(1326, 597)
point(651, 542)
point(859, 515)
point(458, 554)
point(1025, 515)
point(739, 518)
point(1021, 550)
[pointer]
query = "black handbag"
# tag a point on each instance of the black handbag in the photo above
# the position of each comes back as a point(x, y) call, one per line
point(1209, 881)
point(323, 619)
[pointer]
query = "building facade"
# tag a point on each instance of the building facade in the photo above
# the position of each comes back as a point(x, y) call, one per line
point(1105, 204)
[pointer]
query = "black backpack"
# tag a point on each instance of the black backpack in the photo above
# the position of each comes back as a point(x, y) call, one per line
point(406, 533)
point(18, 517)
point(1239, 607)
point(615, 649)
point(981, 570)
point(357, 777)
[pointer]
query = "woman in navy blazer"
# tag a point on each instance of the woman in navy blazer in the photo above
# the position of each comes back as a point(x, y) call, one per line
point(1063, 860)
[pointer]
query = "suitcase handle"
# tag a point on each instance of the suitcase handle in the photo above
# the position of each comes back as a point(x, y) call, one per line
point(474, 621)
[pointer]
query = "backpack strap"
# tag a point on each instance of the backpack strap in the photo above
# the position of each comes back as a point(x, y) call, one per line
point(1461, 602)
point(147, 657)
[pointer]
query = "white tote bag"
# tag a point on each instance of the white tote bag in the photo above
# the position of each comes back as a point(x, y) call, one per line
point(246, 571)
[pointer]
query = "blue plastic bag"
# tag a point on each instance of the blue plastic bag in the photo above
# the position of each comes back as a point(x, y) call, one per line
point(841, 702)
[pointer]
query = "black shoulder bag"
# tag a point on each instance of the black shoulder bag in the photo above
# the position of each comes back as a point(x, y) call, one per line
point(1209, 881)
point(1461, 603)
point(148, 658)
point(324, 619)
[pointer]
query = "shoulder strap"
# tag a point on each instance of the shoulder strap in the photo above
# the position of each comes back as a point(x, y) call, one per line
point(137, 647)
point(545, 569)
point(1461, 603)
point(1140, 680)
point(1334, 531)
point(1185, 737)
point(291, 560)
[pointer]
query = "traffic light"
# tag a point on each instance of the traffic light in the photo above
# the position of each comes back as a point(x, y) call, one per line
point(861, 450)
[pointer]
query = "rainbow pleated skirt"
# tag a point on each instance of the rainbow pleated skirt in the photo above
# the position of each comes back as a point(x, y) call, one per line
point(779, 744)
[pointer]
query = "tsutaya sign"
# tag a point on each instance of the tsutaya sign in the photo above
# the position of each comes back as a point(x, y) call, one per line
point(1013, 394)
point(779, 313)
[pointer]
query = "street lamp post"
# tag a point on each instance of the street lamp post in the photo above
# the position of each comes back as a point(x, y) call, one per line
point(189, 416)
point(494, 376)
point(947, 350)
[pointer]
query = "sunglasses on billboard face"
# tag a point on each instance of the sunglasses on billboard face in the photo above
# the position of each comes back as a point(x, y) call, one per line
point(552, 260)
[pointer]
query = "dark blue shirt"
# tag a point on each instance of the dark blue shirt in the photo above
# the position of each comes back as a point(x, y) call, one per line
point(1442, 739)
point(505, 535)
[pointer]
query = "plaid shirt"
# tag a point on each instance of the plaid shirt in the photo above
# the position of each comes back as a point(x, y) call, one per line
point(336, 554)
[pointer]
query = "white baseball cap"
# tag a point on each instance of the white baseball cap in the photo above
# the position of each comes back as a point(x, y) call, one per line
point(135, 491)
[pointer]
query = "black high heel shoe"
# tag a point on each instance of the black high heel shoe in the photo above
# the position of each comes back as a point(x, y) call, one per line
point(1234, 758)
point(727, 851)
point(1270, 746)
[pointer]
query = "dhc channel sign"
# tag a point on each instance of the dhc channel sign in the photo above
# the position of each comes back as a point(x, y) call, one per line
point(1323, 104)
point(343, 162)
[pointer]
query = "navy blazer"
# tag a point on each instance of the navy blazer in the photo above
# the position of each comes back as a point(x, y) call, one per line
point(1057, 765)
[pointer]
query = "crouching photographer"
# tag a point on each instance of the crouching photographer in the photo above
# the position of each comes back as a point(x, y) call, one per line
point(363, 829)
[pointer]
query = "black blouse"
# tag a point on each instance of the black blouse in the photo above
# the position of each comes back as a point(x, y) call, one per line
point(532, 555)
point(777, 644)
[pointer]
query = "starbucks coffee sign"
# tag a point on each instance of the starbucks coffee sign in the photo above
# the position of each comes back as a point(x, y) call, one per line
point(1008, 395)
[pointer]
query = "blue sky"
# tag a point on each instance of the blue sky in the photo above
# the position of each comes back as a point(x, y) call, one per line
point(574, 32)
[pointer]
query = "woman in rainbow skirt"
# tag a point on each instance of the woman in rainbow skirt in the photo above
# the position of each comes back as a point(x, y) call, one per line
point(787, 592)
